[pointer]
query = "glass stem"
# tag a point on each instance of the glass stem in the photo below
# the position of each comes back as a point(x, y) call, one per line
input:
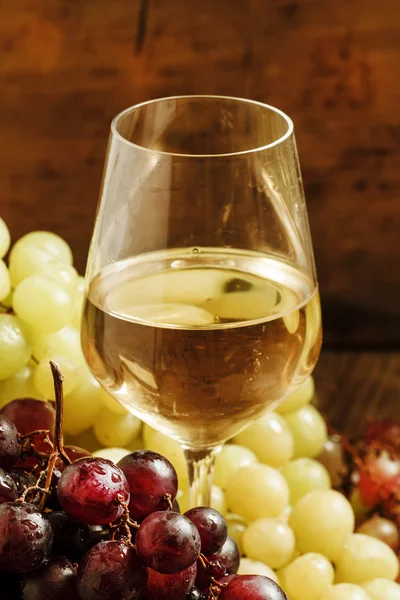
point(200, 465)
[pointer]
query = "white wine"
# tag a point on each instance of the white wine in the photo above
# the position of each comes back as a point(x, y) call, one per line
point(199, 341)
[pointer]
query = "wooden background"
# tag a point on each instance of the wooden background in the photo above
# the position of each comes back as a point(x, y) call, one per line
point(68, 66)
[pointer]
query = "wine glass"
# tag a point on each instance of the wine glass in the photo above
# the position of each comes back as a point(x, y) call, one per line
point(202, 307)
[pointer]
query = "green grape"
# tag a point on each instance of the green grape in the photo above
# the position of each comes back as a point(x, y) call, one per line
point(65, 341)
point(303, 475)
point(48, 241)
point(26, 261)
point(113, 454)
point(364, 558)
point(345, 591)
point(19, 385)
point(43, 378)
point(236, 528)
point(270, 541)
point(111, 404)
point(116, 431)
point(43, 304)
point(166, 446)
point(255, 567)
point(82, 405)
point(5, 238)
point(309, 431)
point(229, 460)
point(382, 589)
point(5, 283)
point(257, 491)
point(15, 348)
point(269, 438)
point(322, 522)
point(299, 398)
point(308, 577)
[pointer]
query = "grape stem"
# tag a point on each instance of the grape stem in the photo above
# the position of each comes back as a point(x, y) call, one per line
point(124, 523)
point(59, 394)
point(215, 586)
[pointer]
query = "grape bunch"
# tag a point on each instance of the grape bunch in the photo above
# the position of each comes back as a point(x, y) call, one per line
point(78, 527)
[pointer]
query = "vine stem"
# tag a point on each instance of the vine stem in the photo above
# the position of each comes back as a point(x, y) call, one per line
point(59, 394)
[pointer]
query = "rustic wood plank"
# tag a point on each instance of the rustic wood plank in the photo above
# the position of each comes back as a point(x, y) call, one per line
point(67, 67)
point(353, 387)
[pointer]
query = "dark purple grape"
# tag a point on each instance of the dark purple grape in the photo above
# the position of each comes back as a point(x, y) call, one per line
point(10, 447)
point(166, 587)
point(211, 526)
point(29, 415)
point(91, 490)
point(168, 542)
point(150, 477)
point(225, 562)
point(71, 538)
point(22, 480)
point(75, 452)
point(26, 537)
point(111, 571)
point(195, 594)
point(252, 587)
point(55, 581)
point(97, 534)
point(8, 489)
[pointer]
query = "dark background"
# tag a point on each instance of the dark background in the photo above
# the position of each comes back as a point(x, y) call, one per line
point(68, 66)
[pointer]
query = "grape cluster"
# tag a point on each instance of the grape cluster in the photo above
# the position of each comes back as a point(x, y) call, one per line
point(113, 533)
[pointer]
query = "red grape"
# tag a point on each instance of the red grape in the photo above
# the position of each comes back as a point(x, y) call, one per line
point(75, 452)
point(22, 480)
point(55, 581)
point(10, 446)
point(26, 537)
point(252, 587)
point(150, 477)
point(176, 586)
point(211, 526)
point(224, 563)
point(378, 478)
point(91, 490)
point(71, 538)
point(8, 489)
point(111, 571)
point(29, 415)
point(168, 542)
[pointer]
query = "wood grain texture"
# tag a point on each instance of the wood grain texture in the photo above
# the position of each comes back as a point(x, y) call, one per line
point(68, 66)
point(353, 387)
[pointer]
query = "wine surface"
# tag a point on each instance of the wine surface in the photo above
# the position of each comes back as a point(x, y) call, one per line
point(199, 341)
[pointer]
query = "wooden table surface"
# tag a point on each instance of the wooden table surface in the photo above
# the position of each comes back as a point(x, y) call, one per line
point(354, 386)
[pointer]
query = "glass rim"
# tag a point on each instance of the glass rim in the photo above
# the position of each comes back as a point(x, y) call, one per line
point(269, 107)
